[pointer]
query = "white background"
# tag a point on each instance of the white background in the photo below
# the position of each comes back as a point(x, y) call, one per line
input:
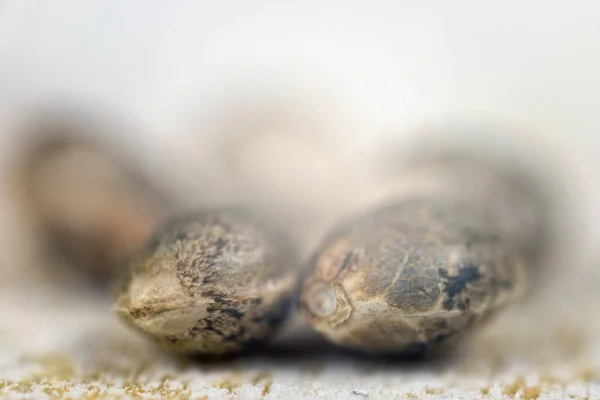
point(372, 70)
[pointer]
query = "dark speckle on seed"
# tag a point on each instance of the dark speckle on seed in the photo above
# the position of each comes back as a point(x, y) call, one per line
point(455, 285)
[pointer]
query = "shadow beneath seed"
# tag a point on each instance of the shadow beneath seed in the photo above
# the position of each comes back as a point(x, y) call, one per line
point(298, 348)
point(305, 350)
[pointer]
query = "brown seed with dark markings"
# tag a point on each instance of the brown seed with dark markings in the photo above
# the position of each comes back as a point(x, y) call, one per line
point(428, 268)
point(211, 283)
point(91, 207)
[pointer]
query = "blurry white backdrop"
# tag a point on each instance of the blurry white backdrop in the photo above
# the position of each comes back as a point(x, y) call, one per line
point(366, 72)
point(359, 75)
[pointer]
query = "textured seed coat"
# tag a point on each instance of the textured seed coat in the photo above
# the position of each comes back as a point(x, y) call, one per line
point(212, 283)
point(426, 269)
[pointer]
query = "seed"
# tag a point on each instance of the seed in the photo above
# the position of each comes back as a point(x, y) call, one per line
point(426, 269)
point(91, 208)
point(211, 283)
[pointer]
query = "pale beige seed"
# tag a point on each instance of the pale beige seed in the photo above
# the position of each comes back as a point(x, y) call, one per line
point(211, 284)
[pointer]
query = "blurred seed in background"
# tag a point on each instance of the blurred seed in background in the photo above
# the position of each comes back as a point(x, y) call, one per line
point(89, 206)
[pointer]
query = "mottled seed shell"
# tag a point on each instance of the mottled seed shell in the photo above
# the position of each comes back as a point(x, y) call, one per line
point(423, 271)
point(407, 277)
point(211, 283)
